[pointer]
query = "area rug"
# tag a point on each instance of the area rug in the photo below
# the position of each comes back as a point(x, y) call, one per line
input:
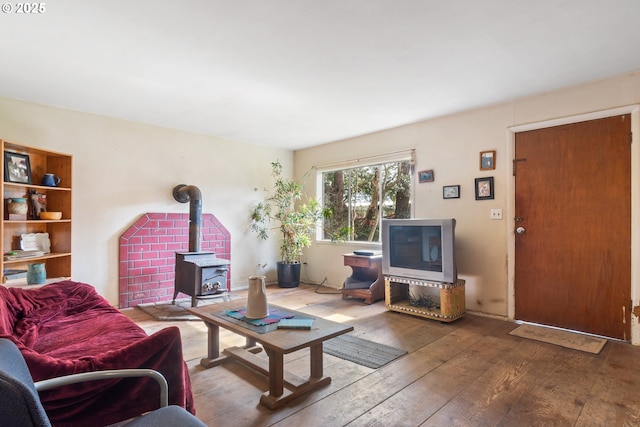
point(363, 352)
point(567, 339)
point(170, 312)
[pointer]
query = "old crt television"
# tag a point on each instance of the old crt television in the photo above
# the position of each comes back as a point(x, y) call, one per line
point(420, 249)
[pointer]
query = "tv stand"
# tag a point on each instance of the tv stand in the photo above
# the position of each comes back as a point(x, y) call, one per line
point(366, 280)
point(448, 298)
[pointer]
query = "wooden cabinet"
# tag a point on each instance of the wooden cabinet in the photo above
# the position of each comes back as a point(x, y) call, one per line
point(433, 300)
point(366, 281)
point(58, 260)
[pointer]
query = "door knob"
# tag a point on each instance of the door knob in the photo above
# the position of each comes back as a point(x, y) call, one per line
point(520, 230)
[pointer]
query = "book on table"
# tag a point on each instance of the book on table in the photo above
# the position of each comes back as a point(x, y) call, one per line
point(295, 323)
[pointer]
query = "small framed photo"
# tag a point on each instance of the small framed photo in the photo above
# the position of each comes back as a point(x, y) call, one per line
point(487, 160)
point(17, 168)
point(484, 188)
point(425, 176)
point(451, 192)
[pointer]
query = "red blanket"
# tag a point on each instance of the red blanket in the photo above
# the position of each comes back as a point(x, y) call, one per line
point(65, 328)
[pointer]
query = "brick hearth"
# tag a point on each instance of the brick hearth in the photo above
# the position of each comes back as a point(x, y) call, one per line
point(148, 252)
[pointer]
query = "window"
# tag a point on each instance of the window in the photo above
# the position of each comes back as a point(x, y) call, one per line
point(359, 197)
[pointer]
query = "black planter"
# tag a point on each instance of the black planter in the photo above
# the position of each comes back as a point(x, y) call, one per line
point(288, 274)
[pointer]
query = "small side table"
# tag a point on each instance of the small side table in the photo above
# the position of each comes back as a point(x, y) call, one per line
point(367, 271)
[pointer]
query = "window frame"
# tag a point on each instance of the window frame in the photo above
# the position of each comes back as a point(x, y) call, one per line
point(405, 156)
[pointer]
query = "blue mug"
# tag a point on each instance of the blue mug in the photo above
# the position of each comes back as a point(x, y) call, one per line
point(50, 180)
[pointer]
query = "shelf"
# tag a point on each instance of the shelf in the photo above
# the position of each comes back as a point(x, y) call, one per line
point(58, 199)
point(449, 298)
point(35, 258)
point(35, 187)
point(22, 283)
point(35, 221)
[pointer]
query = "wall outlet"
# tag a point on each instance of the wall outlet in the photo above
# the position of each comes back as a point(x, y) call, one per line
point(496, 213)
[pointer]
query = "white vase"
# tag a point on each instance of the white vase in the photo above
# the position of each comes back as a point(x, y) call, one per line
point(257, 298)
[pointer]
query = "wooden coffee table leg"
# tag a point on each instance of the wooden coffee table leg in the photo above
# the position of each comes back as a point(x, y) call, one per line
point(296, 386)
point(276, 373)
point(277, 395)
point(316, 361)
point(213, 347)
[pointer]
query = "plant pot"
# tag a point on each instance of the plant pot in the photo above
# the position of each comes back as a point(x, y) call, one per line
point(288, 274)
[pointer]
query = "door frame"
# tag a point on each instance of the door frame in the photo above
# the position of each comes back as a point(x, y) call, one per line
point(634, 110)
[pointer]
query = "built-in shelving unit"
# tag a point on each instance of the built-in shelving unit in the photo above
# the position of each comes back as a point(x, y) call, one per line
point(58, 261)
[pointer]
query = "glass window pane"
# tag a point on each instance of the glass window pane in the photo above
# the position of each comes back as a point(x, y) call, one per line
point(359, 197)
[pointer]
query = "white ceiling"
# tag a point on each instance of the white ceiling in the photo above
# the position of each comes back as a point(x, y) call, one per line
point(297, 73)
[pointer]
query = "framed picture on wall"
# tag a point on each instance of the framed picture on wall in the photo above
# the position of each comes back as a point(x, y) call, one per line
point(487, 160)
point(17, 168)
point(484, 188)
point(451, 192)
point(425, 176)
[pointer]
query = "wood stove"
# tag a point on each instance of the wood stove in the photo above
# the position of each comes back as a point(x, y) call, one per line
point(198, 274)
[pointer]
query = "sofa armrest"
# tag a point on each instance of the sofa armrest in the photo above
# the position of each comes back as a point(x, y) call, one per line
point(108, 374)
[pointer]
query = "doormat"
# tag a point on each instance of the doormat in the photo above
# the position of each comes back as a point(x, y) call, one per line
point(170, 312)
point(363, 352)
point(562, 338)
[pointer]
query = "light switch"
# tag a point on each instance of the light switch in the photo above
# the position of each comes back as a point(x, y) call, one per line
point(496, 213)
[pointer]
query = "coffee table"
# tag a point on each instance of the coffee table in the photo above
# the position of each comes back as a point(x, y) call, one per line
point(283, 386)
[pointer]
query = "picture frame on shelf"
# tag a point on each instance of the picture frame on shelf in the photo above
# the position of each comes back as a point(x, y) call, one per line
point(425, 176)
point(17, 168)
point(487, 160)
point(451, 192)
point(484, 188)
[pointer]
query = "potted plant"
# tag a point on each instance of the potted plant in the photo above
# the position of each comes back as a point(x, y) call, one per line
point(296, 221)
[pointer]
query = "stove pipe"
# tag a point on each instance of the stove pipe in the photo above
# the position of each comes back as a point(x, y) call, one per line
point(190, 193)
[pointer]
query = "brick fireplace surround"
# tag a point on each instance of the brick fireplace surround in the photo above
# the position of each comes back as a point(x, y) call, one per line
point(148, 253)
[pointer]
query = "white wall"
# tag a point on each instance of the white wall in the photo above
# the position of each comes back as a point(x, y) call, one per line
point(450, 146)
point(122, 170)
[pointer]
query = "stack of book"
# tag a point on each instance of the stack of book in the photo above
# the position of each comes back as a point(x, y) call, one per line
point(13, 274)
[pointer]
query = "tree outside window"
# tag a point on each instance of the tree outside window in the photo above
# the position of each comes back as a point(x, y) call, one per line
point(358, 198)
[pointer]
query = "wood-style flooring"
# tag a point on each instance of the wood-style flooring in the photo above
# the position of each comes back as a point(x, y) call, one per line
point(466, 373)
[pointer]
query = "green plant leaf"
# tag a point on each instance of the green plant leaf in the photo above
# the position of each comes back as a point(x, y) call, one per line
point(296, 221)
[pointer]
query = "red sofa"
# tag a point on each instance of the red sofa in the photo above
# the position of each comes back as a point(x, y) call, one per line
point(65, 328)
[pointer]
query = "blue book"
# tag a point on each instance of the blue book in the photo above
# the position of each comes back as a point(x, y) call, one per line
point(295, 323)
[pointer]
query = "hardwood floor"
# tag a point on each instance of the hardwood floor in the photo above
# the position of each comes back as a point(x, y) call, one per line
point(466, 373)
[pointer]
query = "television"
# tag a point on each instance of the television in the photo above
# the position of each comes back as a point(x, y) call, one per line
point(420, 248)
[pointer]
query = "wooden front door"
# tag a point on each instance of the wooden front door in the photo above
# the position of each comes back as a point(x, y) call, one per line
point(573, 207)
